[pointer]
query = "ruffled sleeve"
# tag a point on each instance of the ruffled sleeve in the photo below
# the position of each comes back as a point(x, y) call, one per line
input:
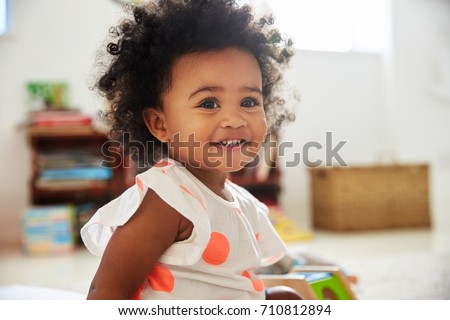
point(174, 187)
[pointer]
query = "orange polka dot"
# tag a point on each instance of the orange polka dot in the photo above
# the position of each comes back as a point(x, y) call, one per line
point(238, 210)
point(217, 250)
point(139, 184)
point(258, 285)
point(257, 236)
point(161, 279)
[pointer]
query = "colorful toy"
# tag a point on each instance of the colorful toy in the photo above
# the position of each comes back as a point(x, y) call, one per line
point(314, 282)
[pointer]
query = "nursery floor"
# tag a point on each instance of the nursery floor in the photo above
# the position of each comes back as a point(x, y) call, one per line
point(402, 264)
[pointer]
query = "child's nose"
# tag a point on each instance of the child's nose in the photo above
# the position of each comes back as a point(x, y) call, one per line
point(233, 119)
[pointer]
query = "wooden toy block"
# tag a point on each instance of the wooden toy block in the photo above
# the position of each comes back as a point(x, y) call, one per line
point(329, 282)
point(314, 282)
point(295, 281)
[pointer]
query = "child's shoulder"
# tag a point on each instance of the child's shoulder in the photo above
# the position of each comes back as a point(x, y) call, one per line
point(170, 179)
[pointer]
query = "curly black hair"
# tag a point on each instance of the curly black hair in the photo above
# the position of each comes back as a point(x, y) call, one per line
point(143, 47)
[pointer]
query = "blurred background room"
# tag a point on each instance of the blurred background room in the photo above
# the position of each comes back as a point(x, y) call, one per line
point(361, 178)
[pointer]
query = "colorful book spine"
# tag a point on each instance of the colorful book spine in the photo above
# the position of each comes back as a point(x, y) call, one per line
point(48, 229)
point(100, 173)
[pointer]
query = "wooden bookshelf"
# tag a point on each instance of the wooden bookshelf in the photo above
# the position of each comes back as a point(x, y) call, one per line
point(72, 148)
point(76, 141)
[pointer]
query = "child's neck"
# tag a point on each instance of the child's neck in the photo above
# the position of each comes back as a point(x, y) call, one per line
point(213, 179)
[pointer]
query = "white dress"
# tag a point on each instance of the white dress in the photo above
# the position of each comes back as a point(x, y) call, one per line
point(229, 241)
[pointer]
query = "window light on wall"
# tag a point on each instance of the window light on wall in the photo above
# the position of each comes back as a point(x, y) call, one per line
point(331, 25)
point(4, 16)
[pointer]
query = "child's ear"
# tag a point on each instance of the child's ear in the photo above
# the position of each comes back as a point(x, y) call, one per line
point(156, 124)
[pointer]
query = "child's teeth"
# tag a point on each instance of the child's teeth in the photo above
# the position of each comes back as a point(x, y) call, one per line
point(230, 142)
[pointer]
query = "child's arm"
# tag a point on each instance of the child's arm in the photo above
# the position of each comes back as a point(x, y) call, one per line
point(135, 247)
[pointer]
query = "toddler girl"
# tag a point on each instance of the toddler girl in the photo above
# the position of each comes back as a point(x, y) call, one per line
point(192, 80)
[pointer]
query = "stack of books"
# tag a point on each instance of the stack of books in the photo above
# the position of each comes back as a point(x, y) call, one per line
point(71, 169)
point(59, 121)
point(48, 229)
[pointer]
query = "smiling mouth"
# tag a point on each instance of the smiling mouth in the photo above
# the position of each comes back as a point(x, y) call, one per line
point(232, 143)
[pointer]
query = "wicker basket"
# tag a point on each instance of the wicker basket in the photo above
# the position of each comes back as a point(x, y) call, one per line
point(370, 197)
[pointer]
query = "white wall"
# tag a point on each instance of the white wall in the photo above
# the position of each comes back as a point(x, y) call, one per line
point(397, 103)
point(420, 109)
point(374, 102)
point(340, 93)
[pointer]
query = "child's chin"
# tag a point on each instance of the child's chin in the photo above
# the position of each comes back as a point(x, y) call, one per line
point(231, 166)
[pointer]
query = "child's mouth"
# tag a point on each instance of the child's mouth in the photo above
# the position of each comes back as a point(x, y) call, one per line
point(229, 143)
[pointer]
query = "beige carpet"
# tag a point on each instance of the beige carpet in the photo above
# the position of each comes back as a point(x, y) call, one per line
point(414, 275)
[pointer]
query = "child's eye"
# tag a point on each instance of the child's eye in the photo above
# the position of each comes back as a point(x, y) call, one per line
point(209, 104)
point(249, 103)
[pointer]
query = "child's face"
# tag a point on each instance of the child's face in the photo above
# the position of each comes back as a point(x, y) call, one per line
point(213, 112)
